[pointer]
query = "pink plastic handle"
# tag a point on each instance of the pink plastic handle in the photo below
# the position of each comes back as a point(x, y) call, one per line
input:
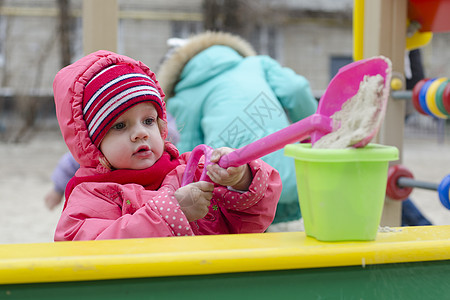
point(296, 132)
point(315, 124)
point(196, 154)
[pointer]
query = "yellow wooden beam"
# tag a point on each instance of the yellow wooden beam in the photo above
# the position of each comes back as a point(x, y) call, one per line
point(155, 257)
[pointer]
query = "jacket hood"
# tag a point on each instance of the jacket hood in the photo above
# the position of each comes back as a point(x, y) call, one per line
point(68, 88)
point(171, 69)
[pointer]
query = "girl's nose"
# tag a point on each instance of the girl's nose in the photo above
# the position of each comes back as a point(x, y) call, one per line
point(139, 133)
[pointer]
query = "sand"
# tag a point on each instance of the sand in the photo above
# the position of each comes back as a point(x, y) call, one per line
point(359, 118)
point(26, 169)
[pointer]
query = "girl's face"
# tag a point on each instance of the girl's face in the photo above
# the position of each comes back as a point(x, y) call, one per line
point(134, 141)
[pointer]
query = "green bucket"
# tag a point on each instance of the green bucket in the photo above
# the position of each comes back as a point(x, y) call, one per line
point(341, 191)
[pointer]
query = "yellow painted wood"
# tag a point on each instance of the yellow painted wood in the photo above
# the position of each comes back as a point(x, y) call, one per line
point(113, 259)
point(358, 29)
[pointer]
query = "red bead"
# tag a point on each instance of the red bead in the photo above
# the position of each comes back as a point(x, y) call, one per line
point(393, 190)
point(415, 95)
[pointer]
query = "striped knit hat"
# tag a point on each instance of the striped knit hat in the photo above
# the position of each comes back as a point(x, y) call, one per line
point(114, 90)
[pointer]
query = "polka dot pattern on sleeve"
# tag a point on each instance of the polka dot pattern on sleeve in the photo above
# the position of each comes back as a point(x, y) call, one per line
point(234, 200)
point(169, 209)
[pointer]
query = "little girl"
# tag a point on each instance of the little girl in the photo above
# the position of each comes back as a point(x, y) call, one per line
point(112, 116)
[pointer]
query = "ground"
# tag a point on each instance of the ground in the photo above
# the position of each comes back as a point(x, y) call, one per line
point(27, 167)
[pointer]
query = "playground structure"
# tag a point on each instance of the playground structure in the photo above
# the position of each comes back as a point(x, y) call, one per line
point(411, 263)
point(431, 97)
point(384, 32)
point(401, 183)
point(407, 262)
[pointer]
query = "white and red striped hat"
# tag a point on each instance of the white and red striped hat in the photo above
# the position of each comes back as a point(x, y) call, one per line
point(114, 90)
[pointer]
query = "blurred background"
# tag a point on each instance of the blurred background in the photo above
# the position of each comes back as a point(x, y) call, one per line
point(38, 38)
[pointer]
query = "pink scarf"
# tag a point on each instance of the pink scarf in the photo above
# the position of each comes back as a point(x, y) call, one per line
point(150, 178)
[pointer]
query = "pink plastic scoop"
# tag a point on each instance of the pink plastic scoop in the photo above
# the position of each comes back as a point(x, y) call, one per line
point(342, 87)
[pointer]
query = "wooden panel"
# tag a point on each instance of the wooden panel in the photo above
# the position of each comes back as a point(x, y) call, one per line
point(205, 255)
point(385, 34)
point(421, 280)
point(100, 24)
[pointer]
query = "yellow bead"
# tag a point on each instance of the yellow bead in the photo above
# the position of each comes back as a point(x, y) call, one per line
point(396, 84)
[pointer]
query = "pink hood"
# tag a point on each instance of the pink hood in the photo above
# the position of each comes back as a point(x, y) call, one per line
point(68, 88)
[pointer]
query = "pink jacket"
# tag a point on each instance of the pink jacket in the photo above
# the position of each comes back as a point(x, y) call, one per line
point(99, 210)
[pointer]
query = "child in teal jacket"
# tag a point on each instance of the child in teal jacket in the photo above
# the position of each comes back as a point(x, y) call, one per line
point(222, 94)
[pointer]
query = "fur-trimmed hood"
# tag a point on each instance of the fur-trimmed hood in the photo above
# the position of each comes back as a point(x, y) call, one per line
point(171, 69)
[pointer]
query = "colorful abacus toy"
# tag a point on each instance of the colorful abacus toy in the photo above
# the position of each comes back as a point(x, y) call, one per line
point(431, 96)
point(401, 182)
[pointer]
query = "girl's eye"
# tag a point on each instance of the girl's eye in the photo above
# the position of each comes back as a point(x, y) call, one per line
point(149, 121)
point(119, 126)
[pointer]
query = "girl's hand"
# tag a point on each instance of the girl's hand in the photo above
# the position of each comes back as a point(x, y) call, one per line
point(52, 199)
point(239, 178)
point(194, 199)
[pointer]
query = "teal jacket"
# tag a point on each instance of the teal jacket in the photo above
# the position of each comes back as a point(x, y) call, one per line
point(222, 98)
